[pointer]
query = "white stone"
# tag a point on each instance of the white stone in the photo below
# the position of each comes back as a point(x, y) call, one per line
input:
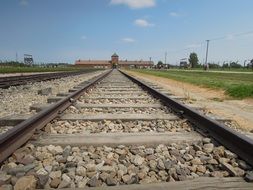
point(138, 160)
point(55, 174)
point(42, 171)
point(55, 149)
point(81, 171)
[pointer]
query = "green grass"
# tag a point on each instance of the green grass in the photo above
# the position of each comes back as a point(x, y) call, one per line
point(222, 69)
point(10, 69)
point(236, 85)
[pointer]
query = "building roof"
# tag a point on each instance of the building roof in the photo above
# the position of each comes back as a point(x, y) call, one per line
point(108, 62)
point(105, 62)
point(92, 62)
point(136, 63)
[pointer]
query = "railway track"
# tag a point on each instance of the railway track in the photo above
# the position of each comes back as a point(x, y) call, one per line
point(6, 82)
point(115, 130)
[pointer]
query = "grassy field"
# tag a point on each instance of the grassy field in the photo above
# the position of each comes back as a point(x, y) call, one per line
point(221, 69)
point(9, 69)
point(237, 85)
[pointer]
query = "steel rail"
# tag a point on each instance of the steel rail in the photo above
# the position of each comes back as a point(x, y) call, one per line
point(6, 82)
point(21, 133)
point(234, 141)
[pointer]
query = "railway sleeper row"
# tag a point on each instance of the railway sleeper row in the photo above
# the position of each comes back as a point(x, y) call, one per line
point(104, 139)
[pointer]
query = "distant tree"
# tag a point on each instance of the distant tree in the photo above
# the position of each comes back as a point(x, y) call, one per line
point(12, 63)
point(214, 65)
point(160, 64)
point(235, 64)
point(225, 65)
point(193, 60)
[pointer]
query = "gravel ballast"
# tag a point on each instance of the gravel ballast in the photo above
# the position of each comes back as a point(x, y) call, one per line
point(73, 127)
point(78, 110)
point(62, 167)
point(148, 100)
point(18, 99)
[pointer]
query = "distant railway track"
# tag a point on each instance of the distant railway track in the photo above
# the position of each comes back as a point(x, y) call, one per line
point(6, 82)
point(117, 130)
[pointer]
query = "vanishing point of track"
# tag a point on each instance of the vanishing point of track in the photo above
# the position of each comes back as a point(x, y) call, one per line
point(118, 130)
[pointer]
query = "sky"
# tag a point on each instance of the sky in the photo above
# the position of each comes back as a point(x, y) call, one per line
point(67, 30)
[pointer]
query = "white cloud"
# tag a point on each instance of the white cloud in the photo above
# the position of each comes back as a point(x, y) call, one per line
point(135, 4)
point(142, 23)
point(175, 14)
point(128, 40)
point(83, 37)
point(24, 2)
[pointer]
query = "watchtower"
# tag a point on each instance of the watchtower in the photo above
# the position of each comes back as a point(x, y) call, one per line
point(28, 59)
point(114, 60)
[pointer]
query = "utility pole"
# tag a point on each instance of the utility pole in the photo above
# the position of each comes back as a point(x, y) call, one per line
point(207, 47)
point(16, 56)
point(165, 58)
point(244, 63)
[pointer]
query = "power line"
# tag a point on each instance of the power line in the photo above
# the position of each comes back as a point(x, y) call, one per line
point(222, 38)
point(236, 35)
point(184, 49)
point(213, 39)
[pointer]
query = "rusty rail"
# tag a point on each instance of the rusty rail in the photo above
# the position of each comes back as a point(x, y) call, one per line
point(20, 134)
point(234, 141)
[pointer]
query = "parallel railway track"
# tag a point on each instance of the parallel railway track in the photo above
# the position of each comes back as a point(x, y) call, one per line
point(117, 130)
point(6, 82)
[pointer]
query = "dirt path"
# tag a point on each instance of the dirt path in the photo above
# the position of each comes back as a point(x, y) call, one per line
point(214, 101)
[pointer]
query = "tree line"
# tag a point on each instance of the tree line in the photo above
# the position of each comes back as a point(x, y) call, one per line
point(21, 64)
point(193, 62)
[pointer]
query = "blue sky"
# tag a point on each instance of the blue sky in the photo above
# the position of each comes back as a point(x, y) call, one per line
point(66, 30)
